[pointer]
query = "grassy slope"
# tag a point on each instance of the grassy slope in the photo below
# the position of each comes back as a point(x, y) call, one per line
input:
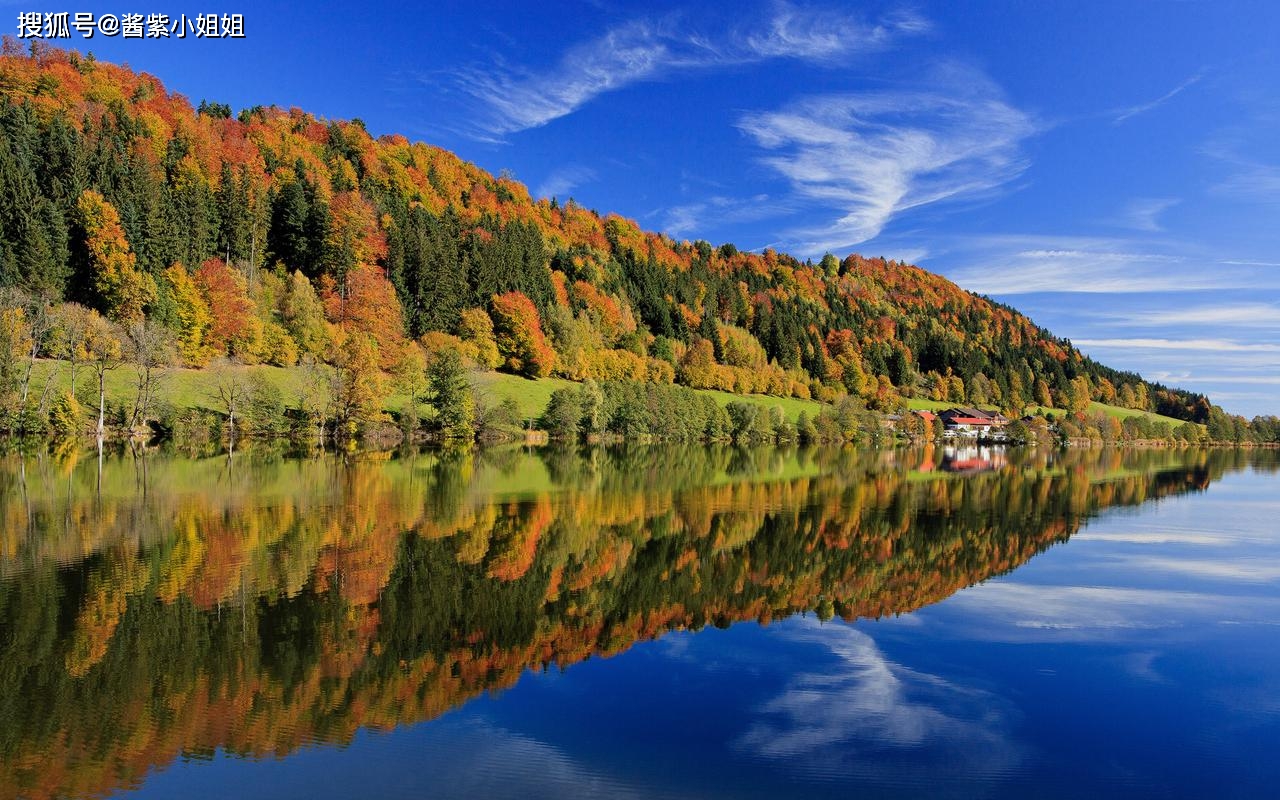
point(1121, 413)
point(791, 406)
point(532, 396)
point(1112, 411)
point(191, 388)
point(184, 388)
point(920, 404)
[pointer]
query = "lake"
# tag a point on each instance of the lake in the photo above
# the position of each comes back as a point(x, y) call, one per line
point(640, 622)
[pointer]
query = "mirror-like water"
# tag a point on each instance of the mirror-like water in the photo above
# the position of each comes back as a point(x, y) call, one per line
point(685, 622)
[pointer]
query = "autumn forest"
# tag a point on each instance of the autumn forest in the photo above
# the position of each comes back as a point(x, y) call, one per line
point(137, 228)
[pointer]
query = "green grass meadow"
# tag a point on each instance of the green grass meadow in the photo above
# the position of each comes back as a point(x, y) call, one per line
point(197, 389)
point(532, 396)
point(921, 404)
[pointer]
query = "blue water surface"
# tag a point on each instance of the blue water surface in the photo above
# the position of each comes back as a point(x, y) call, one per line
point(1138, 659)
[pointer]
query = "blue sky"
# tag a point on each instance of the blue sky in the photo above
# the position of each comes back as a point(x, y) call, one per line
point(1112, 169)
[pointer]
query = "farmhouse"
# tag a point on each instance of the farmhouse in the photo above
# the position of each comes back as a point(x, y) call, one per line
point(973, 422)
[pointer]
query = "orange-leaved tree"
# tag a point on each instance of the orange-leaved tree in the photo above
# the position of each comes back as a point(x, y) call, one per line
point(366, 303)
point(226, 293)
point(518, 332)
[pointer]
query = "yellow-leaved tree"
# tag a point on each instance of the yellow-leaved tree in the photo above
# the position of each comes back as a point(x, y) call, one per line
point(123, 288)
point(193, 315)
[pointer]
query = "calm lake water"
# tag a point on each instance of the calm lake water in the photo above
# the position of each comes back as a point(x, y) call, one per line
point(648, 622)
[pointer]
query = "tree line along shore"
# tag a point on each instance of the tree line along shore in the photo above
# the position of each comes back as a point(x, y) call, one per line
point(448, 402)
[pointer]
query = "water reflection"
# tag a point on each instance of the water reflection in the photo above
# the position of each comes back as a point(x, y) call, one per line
point(869, 718)
point(975, 458)
point(155, 606)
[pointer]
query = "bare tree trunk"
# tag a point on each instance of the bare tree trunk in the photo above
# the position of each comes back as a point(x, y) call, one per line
point(72, 378)
point(31, 363)
point(48, 383)
point(138, 399)
point(147, 378)
point(40, 325)
point(102, 405)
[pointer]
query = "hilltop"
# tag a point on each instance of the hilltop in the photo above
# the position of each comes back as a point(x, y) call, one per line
point(273, 236)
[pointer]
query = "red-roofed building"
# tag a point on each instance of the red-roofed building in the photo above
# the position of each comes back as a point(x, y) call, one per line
point(972, 421)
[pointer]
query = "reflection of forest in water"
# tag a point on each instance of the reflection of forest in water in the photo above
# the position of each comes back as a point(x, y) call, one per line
point(157, 605)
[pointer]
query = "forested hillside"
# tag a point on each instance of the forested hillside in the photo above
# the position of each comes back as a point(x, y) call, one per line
point(270, 236)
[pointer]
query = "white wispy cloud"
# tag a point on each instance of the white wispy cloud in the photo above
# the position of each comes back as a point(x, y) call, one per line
point(1158, 537)
point(1073, 270)
point(469, 757)
point(1245, 315)
point(823, 721)
point(1143, 666)
point(1240, 570)
point(1206, 364)
point(1133, 111)
point(1194, 361)
point(564, 180)
point(690, 218)
point(1255, 182)
point(1264, 401)
point(1210, 345)
point(910, 255)
point(514, 99)
point(1014, 611)
point(873, 155)
point(814, 34)
point(1258, 380)
point(1250, 177)
point(1143, 213)
point(1028, 264)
